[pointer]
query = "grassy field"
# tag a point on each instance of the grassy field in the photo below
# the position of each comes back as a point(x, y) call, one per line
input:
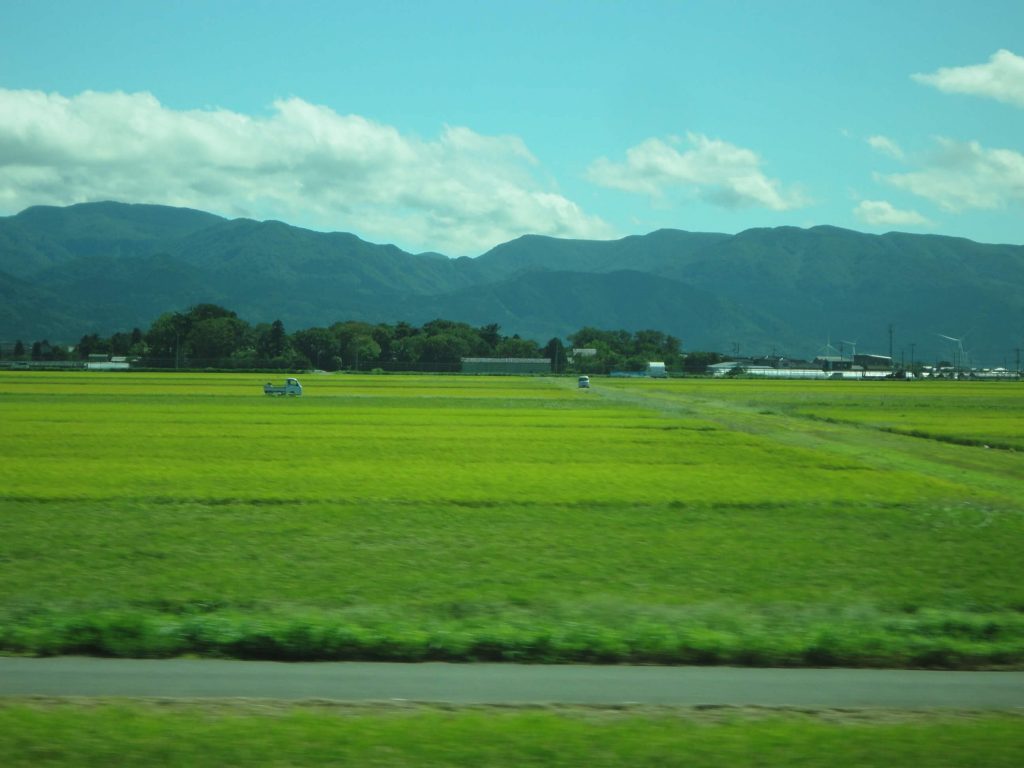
point(967, 413)
point(155, 733)
point(460, 518)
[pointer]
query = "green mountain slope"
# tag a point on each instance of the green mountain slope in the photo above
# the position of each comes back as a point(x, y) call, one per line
point(656, 252)
point(40, 312)
point(851, 286)
point(44, 237)
point(241, 248)
point(101, 267)
point(540, 305)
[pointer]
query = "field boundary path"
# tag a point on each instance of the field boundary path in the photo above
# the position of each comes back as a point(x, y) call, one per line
point(926, 456)
point(511, 683)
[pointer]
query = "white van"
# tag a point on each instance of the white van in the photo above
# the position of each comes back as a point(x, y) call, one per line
point(584, 382)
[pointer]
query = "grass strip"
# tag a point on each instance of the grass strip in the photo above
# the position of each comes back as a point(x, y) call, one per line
point(240, 733)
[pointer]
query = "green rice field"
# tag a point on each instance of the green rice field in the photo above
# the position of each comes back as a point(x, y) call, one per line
point(193, 734)
point(519, 519)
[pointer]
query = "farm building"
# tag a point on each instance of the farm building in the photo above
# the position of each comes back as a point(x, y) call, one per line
point(107, 363)
point(833, 363)
point(765, 371)
point(506, 365)
point(874, 362)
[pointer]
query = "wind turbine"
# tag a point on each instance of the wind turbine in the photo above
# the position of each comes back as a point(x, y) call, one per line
point(958, 352)
point(828, 349)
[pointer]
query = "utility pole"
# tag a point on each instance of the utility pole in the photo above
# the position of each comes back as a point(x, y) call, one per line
point(1017, 350)
point(891, 331)
point(912, 345)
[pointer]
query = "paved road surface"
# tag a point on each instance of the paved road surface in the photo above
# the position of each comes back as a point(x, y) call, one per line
point(511, 684)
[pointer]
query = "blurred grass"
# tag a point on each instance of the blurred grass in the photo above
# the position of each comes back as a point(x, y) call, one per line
point(103, 733)
point(496, 518)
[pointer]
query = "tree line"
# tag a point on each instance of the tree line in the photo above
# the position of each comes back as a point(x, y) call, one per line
point(208, 335)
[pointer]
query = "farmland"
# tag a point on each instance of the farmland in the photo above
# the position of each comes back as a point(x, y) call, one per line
point(236, 732)
point(460, 518)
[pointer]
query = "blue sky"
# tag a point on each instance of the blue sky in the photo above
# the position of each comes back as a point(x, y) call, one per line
point(454, 126)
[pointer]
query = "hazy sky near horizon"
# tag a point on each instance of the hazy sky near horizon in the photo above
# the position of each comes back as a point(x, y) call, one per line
point(455, 126)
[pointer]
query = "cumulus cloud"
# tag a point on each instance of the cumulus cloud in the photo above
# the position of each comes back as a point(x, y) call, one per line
point(712, 169)
point(1002, 78)
point(460, 193)
point(965, 175)
point(880, 213)
point(886, 146)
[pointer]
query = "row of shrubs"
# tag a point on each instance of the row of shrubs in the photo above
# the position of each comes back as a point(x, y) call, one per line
point(947, 641)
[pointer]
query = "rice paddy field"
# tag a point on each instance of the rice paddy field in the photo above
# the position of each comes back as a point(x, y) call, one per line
point(519, 519)
point(219, 733)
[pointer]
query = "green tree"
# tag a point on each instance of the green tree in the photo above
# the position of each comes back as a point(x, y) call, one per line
point(403, 330)
point(446, 348)
point(19, 349)
point(491, 336)
point(200, 312)
point(360, 350)
point(554, 350)
point(167, 337)
point(516, 347)
point(698, 362)
point(137, 343)
point(609, 344)
point(470, 338)
point(384, 335)
point(612, 348)
point(357, 343)
point(92, 344)
point(655, 345)
point(318, 345)
point(213, 338)
point(624, 350)
point(620, 342)
point(120, 343)
point(272, 341)
point(44, 350)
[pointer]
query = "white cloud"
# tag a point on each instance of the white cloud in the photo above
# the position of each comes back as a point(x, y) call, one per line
point(886, 146)
point(1002, 78)
point(965, 175)
point(880, 213)
point(460, 193)
point(714, 170)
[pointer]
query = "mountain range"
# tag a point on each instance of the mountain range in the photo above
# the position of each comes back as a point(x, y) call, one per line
point(105, 267)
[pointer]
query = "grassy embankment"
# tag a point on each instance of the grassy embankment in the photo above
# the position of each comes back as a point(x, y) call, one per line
point(102, 733)
point(390, 517)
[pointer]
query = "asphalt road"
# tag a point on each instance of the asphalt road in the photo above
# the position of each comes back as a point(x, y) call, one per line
point(511, 684)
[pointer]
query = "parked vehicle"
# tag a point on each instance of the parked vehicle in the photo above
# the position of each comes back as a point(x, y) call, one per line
point(291, 387)
point(584, 382)
point(657, 370)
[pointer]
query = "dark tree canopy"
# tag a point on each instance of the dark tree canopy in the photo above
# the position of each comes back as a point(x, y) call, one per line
point(208, 335)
